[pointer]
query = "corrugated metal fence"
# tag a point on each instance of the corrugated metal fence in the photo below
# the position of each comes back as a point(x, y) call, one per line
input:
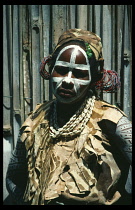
point(32, 31)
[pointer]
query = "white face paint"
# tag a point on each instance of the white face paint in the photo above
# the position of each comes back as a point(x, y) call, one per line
point(68, 79)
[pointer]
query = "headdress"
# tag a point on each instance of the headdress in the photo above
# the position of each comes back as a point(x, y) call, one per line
point(110, 81)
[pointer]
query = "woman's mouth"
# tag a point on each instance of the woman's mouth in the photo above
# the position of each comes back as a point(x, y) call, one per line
point(66, 93)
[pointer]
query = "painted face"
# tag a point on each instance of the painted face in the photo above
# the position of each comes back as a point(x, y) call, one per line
point(71, 74)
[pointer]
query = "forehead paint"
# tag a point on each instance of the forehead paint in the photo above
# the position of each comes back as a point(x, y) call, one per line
point(71, 65)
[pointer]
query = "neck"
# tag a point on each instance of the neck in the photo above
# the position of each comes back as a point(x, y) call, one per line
point(66, 111)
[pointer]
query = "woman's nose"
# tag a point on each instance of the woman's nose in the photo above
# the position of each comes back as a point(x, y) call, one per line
point(67, 85)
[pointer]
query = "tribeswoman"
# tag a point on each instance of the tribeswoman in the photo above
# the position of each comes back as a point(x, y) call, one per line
point(76, 148)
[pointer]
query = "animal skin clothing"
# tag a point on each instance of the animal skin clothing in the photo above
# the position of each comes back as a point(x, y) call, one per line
point(87, 166)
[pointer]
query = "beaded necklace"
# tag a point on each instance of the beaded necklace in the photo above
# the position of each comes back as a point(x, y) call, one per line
point(78, 120)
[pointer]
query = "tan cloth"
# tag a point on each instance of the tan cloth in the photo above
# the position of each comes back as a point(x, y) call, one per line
point(87, 36)
point(78, 166)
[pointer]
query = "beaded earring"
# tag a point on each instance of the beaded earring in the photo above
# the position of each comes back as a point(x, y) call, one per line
point(88, 50)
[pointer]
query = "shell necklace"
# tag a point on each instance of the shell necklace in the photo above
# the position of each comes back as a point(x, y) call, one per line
point(76, 123)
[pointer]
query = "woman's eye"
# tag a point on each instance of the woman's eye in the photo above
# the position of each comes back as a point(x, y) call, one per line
point(80, 73)
point(61, 70)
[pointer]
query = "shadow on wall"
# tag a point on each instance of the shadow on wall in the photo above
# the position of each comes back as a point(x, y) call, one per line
point(6, 157)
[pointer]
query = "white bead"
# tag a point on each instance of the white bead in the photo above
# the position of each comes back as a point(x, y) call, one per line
point(81, 116)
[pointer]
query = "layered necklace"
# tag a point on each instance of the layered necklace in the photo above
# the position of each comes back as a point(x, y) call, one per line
point(76, 123)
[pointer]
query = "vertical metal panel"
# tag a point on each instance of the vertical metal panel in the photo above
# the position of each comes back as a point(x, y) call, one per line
point(114, 47)
point(26, 61)
point(16, 73)
point(46, 28)
point(16, 54)
point(90, 17)
point(35, 54)
point(129, 12)
point(126, 76)
point(46, 41)
point(6, 76)
point(82, 16)
point(21, 66)
point(71, 10)
point(119, 41)
point(107, 43)
point(97, 19)
point(41, 52)
point(58, 22)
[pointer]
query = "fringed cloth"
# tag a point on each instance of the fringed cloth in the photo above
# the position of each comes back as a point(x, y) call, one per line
point(82, 167)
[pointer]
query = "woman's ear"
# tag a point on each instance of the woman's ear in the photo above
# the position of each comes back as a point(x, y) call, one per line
point(101, 64)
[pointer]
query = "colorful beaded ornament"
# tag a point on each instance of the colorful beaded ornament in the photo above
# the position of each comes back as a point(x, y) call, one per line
point(88, 50)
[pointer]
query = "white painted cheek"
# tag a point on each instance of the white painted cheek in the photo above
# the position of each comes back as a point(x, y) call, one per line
point(76, 87)
point(58, 81)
